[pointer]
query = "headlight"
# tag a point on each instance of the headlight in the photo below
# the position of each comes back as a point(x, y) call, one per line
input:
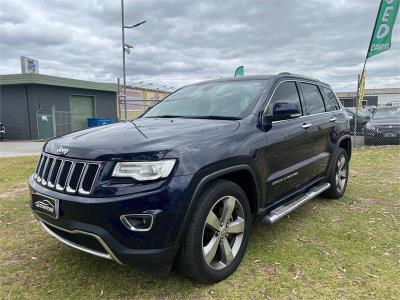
point(144, 170)
point(370, 127)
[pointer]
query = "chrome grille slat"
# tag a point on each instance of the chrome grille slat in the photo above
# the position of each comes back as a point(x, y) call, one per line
point(41, 168)
point(51, 172)
point(46, 170)
point(63, 179)
point(75, 177)
point(71, 171)
point(51, 182)
point(83, 189)
point(388, 128)
point(66, 175)
point(35, 175)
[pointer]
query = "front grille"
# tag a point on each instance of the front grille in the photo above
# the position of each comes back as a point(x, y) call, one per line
point(388, 128)
point(66, 175)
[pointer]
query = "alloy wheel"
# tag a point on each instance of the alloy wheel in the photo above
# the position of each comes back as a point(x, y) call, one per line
point(341, 173)
point(223, 232)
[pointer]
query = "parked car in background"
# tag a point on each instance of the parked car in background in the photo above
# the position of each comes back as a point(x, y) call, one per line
point(384, 127)
point(371, 109)
point(362, 119)
point(2, 131)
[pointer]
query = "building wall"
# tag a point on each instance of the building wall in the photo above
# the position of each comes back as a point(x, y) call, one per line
point(377, 97)
point(14, 112)
point(21, 125)
point(138, 102)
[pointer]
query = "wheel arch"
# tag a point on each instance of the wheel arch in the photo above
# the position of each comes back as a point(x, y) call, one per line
point(345, 143)
point(241, 174)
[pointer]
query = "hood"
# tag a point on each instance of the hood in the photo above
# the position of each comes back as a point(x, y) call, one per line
point(385, 121)
point(144, 138)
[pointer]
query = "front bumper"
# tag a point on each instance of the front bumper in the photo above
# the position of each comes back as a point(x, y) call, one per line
point(93, 225)
point(381, 136)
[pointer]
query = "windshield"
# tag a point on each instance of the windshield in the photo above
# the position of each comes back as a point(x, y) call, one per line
point(226, 99)
point(391, 112)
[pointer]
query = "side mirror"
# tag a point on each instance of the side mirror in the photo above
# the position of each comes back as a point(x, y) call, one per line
point(282, 111)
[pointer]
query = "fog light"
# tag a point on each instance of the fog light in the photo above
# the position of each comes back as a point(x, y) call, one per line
point(138, 222)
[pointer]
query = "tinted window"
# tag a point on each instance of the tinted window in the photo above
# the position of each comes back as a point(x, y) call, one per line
point(330, 99)
point(313, 98)
point(286, 97)
point(223, 98)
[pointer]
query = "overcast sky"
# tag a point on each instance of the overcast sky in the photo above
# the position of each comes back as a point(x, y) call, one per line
point(188, 41)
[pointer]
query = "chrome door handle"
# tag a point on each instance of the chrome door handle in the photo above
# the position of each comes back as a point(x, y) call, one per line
point(333, 119)
point(306, 125)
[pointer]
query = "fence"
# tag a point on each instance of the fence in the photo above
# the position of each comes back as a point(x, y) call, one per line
point(62, 122)
point(376, 125)
point(44, 122)
point(135, 108)
point(52, 124)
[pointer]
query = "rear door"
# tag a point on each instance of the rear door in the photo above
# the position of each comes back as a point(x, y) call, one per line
point(322, 127)
point(288, 151)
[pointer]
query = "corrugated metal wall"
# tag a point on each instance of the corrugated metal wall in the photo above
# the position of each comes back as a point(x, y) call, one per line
point(14, 106)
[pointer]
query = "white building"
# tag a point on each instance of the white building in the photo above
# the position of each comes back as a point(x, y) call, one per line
point(373, 97)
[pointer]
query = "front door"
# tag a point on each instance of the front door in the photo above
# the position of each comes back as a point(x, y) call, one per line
point(82, 108)
point(288, 154)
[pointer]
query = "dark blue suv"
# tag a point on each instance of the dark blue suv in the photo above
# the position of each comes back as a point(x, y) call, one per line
point(181, 184)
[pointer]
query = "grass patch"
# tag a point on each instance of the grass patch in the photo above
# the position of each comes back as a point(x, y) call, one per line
point(346, 248)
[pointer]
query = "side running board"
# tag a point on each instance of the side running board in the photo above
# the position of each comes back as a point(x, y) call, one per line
point(287, 208)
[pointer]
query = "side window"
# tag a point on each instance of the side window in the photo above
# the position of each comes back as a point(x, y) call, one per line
point(285, 100)
point(330, 99)
point(313, 98)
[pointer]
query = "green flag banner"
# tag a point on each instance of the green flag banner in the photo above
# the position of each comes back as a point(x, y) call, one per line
point(382, 35)
point(239, 71)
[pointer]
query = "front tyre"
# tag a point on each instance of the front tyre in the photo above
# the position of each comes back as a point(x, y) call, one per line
point(217, 234)
point(339, 175)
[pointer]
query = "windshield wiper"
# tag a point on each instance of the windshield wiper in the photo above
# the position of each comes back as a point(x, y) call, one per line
point(216, 117)
point(197, 117)
point(166, 116)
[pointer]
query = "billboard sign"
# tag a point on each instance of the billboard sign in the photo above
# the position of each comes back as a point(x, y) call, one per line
point(29, 65)
point(134, 100)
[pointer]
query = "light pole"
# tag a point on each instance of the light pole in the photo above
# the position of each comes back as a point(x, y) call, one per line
point(125, 48)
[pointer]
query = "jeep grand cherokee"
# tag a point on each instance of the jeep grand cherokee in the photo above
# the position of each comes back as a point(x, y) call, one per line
point(182, 184)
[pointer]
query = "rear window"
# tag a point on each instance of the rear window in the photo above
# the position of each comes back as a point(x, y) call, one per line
point(330, 99)
point(313, 98)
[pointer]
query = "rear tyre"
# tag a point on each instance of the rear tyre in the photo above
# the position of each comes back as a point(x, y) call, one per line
point(338, 176)
point(217, 234)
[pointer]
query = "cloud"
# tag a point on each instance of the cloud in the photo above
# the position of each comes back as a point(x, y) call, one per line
point(188, 41)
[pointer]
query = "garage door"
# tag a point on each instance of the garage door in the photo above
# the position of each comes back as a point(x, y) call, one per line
point(82, 108)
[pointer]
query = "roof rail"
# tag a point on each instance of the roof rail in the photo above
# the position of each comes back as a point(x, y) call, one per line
point(288, 73)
